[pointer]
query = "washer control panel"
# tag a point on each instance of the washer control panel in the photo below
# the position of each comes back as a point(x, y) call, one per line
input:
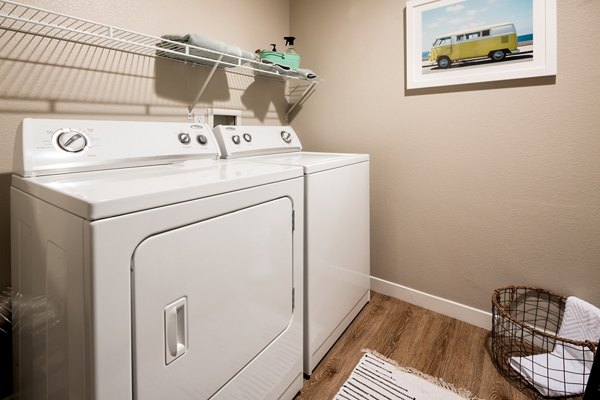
point(243, 141)
point(48, 146)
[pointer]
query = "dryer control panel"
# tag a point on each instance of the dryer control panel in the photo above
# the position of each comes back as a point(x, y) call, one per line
point(243, 141)
point(52, 146)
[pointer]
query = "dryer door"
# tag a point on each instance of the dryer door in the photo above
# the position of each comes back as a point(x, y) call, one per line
point(208, 298)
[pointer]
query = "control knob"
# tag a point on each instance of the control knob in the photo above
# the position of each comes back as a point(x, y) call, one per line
point(71, 140)
point(286, 136)
point(202, 139)
point(184, 138)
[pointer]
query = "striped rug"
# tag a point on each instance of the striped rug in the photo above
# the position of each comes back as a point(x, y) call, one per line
point(378, 378)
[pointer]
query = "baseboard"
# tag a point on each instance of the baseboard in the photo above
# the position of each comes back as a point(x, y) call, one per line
point(447, 307)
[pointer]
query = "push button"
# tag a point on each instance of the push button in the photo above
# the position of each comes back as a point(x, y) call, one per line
point(247, 137)
point(236, 139)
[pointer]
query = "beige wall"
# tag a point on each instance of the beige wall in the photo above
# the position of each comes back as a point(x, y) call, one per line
point(472, 187)
point(47, 78)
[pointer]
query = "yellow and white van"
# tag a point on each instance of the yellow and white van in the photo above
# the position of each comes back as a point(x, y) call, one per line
point(493, 41)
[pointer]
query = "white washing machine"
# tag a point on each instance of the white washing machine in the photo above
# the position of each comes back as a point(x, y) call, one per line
point(337, 247)
point(144, 268)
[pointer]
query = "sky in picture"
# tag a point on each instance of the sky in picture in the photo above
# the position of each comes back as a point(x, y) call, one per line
point(466, 14)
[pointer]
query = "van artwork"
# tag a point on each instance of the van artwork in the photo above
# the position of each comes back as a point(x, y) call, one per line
point(492, 41)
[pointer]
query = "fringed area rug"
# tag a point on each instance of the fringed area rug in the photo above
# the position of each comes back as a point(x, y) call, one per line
point(378, 377)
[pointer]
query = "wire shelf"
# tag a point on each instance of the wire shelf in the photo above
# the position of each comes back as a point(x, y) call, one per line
point(36, 21)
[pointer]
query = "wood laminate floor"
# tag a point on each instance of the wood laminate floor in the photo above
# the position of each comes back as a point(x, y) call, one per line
point(415, 337)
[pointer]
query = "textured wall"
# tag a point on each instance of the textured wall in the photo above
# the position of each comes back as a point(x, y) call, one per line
point(472, 187)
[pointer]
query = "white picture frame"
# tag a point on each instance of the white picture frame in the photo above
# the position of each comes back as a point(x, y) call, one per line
point(421, 24)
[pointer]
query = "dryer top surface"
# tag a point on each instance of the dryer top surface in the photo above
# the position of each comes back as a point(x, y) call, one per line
point(100, 194)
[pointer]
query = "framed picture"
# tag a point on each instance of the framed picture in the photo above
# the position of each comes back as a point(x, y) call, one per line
point(452, 42)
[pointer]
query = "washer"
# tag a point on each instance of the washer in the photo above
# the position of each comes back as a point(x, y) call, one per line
point(145, 268)
point(337, 248)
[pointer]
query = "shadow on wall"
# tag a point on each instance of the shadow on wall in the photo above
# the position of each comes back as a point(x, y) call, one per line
point(259, 95)
point(182, 82)
point(44, 75)
point(261, 91)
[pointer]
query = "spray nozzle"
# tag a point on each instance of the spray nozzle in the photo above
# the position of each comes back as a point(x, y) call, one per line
point(289, 40)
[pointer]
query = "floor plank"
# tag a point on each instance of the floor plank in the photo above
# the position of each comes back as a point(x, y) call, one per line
point(414, 337)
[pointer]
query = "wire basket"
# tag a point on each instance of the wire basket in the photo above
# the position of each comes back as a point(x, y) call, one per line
point(526, 347)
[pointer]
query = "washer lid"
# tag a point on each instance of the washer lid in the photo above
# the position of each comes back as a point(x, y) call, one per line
point(100, 194)
point(312, 161)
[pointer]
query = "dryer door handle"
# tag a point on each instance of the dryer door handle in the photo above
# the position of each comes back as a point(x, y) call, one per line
point(175, 330)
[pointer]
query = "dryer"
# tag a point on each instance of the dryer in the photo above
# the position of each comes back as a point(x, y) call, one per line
point(145, 268)
point(336, 241)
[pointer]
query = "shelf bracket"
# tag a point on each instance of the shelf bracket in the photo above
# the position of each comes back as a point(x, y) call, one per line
point(204, 85)
point(302, 97)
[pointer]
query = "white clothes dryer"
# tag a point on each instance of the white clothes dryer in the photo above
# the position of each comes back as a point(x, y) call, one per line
point(144, 268)
point(336, 240)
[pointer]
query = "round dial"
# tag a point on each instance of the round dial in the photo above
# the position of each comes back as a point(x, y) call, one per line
point(184, 138)
point(236, 139)
point(202, 139)
point(71, 140)
point(286, 136)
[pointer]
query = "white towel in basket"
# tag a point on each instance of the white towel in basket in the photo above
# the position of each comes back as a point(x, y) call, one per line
point(564, 371)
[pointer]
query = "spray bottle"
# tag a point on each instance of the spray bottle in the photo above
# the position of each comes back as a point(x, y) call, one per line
point(292, 58)
point(289, 41)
